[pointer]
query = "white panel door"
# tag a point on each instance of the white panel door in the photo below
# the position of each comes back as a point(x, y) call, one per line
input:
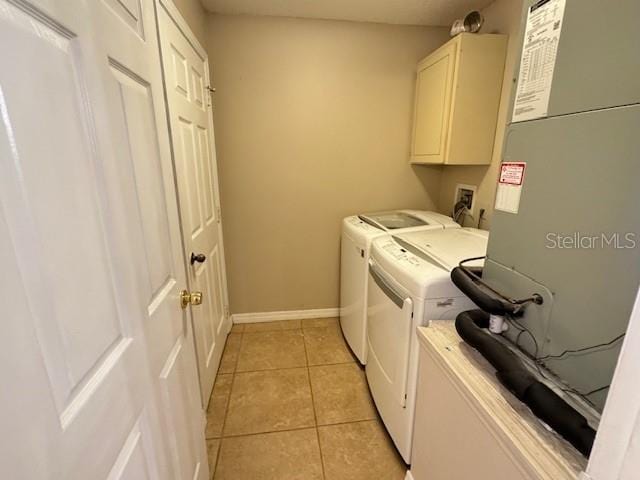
point(186, 71)
point(97, 363)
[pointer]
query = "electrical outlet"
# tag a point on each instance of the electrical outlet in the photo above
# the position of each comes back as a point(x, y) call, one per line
point(467, 195)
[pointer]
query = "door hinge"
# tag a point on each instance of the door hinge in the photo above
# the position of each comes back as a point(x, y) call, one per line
point(210, 91)
point(226, 311)
point(219, 214)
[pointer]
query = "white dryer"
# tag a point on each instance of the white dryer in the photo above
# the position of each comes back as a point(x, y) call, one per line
point(409, 284)
point(357, 233)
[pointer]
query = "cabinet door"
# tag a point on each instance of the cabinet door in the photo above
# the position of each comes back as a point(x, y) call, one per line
point(432, 107)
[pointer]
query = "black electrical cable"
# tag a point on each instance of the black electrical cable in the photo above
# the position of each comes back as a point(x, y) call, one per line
point(538, 366)
point(610, 342)
point(535, 355)
point(595, 391)
point(538, 361)
point(524, 329)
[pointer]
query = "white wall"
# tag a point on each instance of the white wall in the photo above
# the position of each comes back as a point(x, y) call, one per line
point(616, 451)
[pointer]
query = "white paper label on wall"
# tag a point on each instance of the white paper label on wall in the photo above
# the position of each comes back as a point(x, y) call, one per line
point(541, 38)
point(510, 186)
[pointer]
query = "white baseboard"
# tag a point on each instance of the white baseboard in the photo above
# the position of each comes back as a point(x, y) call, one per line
point(284, 315)
point(408, 476)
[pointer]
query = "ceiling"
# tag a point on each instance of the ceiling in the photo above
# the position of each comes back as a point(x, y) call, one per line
point(405, 12)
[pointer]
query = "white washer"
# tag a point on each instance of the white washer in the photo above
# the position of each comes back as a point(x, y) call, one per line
point(357, 233)
point(409, 284)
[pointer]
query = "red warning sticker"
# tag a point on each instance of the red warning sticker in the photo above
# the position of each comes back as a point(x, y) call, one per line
point(512, 173)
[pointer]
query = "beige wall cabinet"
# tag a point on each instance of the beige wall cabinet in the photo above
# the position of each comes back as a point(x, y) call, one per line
point(457, 98)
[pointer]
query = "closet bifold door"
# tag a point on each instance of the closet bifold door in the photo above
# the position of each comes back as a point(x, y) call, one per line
point(188, 92)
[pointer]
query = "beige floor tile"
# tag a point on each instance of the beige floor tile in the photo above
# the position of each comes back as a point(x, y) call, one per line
point(292, 455)
point(340, 394)
point(270, 350)
point(320, 322)
point(230, 354)
point(269, 401)
point(359, 451)
point(212, 454)
point(273, 326)
point(218, 406)
point(237, 328)
point(326, 346)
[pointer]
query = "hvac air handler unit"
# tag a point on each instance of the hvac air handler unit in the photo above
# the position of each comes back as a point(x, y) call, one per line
point(561, 272)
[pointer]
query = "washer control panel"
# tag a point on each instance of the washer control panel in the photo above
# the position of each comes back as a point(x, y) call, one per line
point(355, 221)
point(400, 254)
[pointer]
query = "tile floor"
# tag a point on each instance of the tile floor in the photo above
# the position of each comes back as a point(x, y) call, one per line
point(291, 403)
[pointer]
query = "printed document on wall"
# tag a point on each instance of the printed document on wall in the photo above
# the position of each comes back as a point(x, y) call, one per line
point(541, 38)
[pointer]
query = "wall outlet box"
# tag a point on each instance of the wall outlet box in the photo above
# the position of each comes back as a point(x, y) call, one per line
point(466, 194)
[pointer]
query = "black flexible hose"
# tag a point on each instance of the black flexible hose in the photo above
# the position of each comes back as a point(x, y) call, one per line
point(543, 402)
point(486, 302)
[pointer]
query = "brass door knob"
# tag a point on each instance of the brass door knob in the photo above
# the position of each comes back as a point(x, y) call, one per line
point(196, 298)
point(187, 298)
